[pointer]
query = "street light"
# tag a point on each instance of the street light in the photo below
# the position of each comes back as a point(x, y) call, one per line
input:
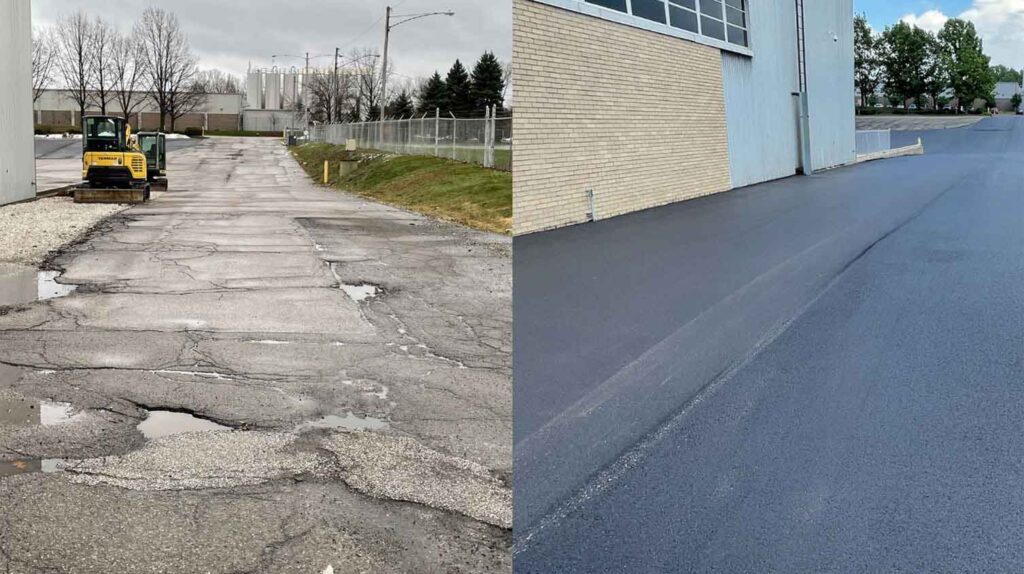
point(388, 25)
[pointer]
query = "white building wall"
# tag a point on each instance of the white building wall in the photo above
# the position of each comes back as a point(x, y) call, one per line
point(829, 37)
point(17, 156)
point(61, 100)
point(761, 111)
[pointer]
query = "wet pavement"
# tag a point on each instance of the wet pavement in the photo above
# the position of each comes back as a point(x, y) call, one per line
point(287, 377)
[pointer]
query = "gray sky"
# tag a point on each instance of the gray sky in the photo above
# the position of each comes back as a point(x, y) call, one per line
point(228, 34)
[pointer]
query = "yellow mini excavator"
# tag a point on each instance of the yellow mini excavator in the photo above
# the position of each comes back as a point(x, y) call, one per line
point(113, 171)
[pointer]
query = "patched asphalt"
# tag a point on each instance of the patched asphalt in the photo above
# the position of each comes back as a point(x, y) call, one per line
point(815, 374)
point(221, 302)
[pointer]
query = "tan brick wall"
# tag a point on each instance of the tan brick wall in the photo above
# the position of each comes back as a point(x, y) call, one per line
point(636, 116)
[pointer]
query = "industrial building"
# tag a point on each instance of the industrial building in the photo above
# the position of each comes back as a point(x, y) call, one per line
point(624, 105)
point(17, 158)
point(58, 108)
point(273, 99)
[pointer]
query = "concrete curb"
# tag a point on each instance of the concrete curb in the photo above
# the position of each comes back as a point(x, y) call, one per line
point(916, 149)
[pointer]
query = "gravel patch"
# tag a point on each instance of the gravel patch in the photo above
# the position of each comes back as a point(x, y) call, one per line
point(199, 460)
point(400, 468)
point(29, 231)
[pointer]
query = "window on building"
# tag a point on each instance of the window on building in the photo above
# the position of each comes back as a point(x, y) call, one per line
point(619, 5)
point(724, 20)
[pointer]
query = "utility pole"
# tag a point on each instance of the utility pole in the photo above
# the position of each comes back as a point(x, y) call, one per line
point(401, 19)
point(384, 67)
point(305, 98)
point(334, 88)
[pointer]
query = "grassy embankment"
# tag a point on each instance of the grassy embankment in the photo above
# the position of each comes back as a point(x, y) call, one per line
point(468, 194)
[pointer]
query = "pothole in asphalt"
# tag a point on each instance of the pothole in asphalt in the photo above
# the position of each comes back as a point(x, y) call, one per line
point(20, 285)
point(357, 291)
point(14, 467)
point(348, 421)
point(16, 410)
point(360, 292)
point(167, 423)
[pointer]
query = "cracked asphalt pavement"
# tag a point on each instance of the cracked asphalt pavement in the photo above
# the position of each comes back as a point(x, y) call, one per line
point(356, 357)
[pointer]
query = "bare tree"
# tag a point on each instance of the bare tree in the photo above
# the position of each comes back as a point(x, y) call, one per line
point(329, 98)
point(186, 100)
point(73, 36)
point(170, 64)
point(507, 79)
point(218, 82)
point(369, 96)
point(100, 46)
point(128, 71)
point(42, 62)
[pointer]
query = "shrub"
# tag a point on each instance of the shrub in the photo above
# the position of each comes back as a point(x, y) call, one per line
point(193, 132)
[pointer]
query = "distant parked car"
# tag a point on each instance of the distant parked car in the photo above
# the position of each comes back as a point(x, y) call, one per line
point(913, 106)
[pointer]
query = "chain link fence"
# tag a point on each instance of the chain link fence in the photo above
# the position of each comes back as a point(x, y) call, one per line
point(484, 141)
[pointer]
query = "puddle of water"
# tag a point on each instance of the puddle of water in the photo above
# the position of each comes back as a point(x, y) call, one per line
point(167, 423)
point(348, 421)
point(48, 288)
point(20, 285)
point(14, 467)
point(21, 411)
point(359, 292)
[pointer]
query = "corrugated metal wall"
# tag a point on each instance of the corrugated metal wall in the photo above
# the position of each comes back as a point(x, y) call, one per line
point(760, 107)
point(17, 157)
point(830, 82)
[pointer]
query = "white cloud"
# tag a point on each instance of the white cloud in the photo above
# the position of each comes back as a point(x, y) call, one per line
point(932, 20)
point(1000, 24)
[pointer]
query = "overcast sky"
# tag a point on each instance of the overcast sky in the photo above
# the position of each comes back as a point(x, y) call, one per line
point(229, 34)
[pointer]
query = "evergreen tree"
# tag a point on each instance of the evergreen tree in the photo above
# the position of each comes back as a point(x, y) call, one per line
point(965, 61)
point(433, 96)
point(488, 83)
point(459, 91)
point(401, 106)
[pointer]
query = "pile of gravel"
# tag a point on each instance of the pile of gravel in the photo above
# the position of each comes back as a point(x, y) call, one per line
point(29, 231)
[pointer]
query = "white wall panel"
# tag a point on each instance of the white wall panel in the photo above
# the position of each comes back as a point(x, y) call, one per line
point(761, 111)
point(830, 82)
point(17, 156)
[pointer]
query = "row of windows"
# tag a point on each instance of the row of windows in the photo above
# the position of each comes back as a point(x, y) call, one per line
point(724, 20)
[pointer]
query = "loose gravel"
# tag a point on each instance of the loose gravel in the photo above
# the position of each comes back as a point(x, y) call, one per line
point(29, 231)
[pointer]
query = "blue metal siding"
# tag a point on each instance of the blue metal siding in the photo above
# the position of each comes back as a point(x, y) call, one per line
point(830, 82)
point(761, 111)
point(763, 114)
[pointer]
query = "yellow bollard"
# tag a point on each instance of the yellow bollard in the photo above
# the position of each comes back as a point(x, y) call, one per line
point(325, 171)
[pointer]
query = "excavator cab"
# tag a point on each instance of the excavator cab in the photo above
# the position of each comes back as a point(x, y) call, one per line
point(108, 159)
point(154, 146)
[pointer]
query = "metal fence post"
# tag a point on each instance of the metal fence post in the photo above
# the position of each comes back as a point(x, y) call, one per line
point(437, 130)
point(455, 131)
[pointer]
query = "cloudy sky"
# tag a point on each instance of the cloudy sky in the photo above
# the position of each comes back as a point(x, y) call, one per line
point(1000, 22)
point(229, 34)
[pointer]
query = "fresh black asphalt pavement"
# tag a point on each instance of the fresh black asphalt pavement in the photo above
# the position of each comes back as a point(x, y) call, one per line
point(818, 374)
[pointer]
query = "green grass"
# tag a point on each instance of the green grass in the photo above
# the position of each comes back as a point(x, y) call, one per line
point(464, 193)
